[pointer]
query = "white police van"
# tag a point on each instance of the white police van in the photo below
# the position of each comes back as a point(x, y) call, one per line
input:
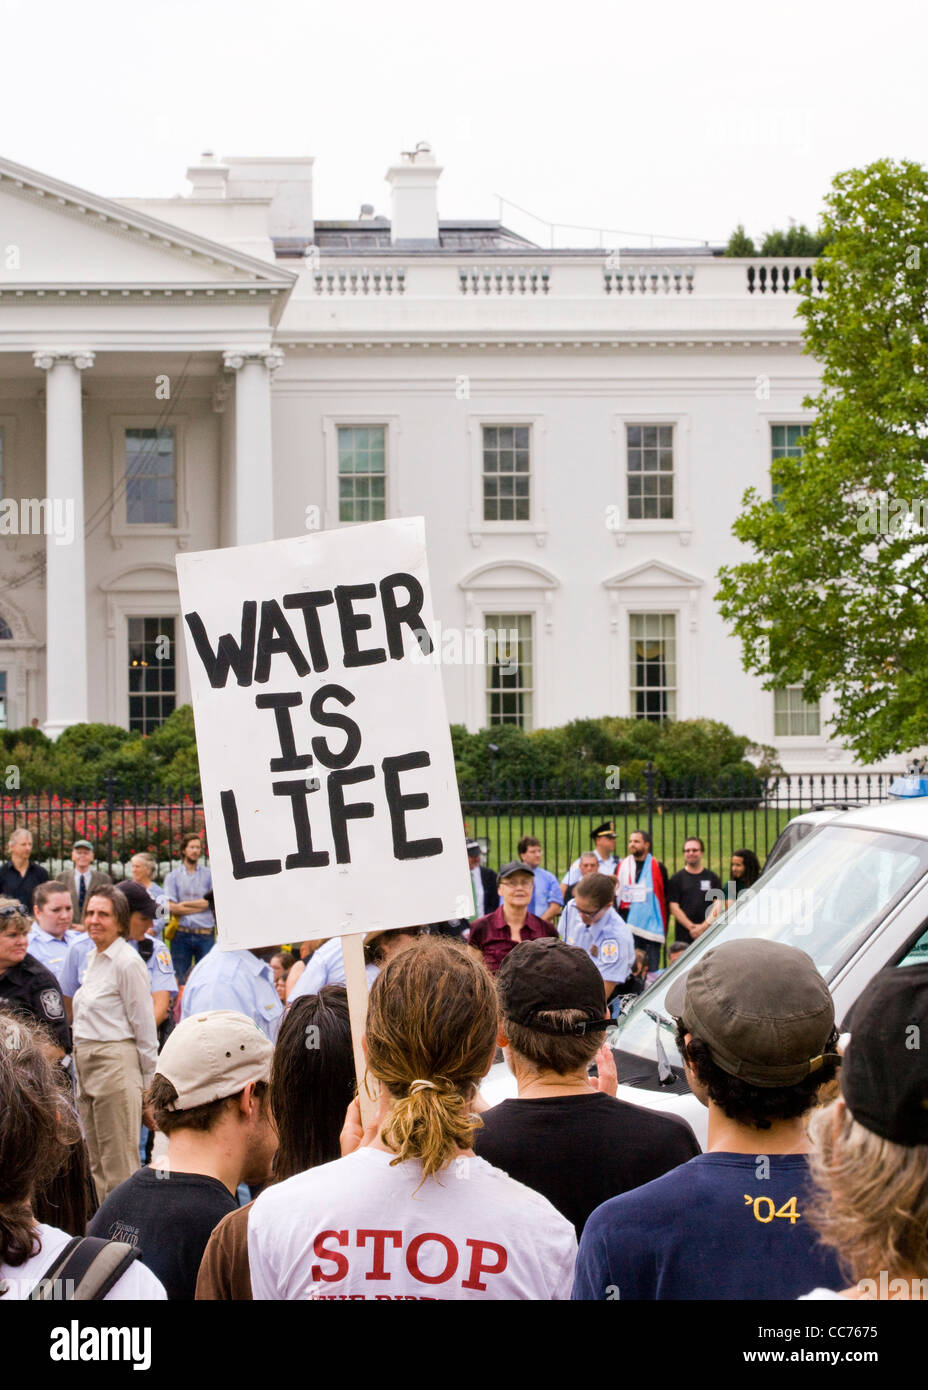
point(854, 895)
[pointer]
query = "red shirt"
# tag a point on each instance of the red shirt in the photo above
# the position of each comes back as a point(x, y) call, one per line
point(493, 936)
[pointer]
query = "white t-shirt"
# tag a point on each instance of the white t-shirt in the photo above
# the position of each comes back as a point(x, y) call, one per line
point(821, 1293)
point(357, 1228)
point(137, 1282)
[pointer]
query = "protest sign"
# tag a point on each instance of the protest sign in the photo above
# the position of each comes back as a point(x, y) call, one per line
point(328, 779)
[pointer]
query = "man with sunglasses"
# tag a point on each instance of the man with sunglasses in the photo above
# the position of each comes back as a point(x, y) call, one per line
point(26, 986)
point(592, 923)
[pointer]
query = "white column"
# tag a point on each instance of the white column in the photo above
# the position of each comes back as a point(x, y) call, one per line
point(65, 584)
point(253, 508)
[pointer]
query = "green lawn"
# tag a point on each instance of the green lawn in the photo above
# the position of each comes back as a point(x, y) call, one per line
point(564, 836)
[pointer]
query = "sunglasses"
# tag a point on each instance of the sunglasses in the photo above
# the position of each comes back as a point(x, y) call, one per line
point(11, 912)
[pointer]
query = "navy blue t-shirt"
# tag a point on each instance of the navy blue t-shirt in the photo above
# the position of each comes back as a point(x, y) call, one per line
point(723, 1225)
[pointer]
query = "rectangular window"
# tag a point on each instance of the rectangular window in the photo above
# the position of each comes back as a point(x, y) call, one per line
point(2, 493)
point(653, 665)
point(362, 472)
point(506, 473)
point(649, 463)
point(785, 442)
point(152, 673)
point(509, 668)
point(792, 715)
point(151, 479)
point(3, 700)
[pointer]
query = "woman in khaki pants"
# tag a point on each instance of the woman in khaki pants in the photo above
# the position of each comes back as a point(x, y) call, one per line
point(115, 1042)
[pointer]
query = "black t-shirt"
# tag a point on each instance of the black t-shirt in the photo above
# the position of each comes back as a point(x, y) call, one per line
point(689, 890)
point(578, 1151)
point(29, 988)
point(13, 884)
point(169, 1217)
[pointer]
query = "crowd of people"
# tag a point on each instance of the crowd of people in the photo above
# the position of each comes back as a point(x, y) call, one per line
point(195, 1112)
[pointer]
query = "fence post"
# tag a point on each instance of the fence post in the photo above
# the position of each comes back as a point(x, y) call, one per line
point(649, 791)
point(110, 811)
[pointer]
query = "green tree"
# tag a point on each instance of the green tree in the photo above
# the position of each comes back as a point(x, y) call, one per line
point(795, 241)
point(835, 596)
point(739, 243)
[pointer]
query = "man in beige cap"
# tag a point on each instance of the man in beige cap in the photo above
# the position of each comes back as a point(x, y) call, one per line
point(209, 1097)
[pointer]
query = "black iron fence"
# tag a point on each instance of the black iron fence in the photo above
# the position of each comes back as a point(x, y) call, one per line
point(726, 813)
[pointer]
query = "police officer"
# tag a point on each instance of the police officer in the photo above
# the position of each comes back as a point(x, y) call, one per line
point(51, 932)
point(238, 980)
point(592, 923)
point(26, 986)
point(142, 913)
point(603, 837)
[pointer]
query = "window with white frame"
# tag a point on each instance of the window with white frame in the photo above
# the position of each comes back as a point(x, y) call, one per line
point(507, 473)
point(151, 477)
point(362, 472)
point(152, 673)
point(649, 472)
point(3, 717)
point(792, 715)
point(509, 669)
point(785, 442)
point(653, 642)
point(2, 493)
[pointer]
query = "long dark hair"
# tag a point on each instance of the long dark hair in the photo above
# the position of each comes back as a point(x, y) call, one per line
point(312, 1081)
point(37, 1128)
point(751, 866)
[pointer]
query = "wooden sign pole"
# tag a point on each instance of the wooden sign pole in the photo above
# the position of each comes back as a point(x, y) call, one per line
point(356, 985)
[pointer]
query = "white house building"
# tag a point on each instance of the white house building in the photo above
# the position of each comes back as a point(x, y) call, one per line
point(577, 428)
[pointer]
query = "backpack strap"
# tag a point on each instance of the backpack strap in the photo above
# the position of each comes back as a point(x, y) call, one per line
point(90, 1265)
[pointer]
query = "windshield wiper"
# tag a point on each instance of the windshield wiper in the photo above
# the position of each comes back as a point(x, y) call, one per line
point(665, 1072)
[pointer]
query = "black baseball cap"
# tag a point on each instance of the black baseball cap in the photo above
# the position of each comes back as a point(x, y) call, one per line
point(547, 975)
point(762, 1009)
point(473, 847)
point(515, 867)
point(138, 899)
point(884, 1077)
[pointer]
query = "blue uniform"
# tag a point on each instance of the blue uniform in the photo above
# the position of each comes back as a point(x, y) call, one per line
point(608, 942)
point(547, 890)
point(160, 972)
point(234, 980)
point(75, 965)
point(51, 951)
point(326, 966)
point(160, 969)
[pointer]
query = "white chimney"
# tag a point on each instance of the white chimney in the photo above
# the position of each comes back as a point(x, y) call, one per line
point(414, 198)
point(287, 182)
point(208, 177)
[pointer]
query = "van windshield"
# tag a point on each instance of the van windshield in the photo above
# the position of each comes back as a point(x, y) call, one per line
point(823, 897)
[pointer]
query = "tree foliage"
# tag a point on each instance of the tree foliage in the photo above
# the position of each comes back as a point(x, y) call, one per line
point(834, 597)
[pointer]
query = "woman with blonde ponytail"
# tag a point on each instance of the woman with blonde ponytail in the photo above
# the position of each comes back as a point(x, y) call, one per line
point(411, 1212)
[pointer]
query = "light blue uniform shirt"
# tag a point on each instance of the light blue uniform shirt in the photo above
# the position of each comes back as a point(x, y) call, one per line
point(75, 965)
point(609, 865)
point(50, 950)
point(547, 890)
point(614, 954)
point(182, 887)
point(160, 971)
point(326, 966)
point(234, 980)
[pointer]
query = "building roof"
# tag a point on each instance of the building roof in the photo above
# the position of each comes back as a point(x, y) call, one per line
point(372, 236)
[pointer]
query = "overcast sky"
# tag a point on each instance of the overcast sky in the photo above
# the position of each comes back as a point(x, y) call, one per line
point(674, 119)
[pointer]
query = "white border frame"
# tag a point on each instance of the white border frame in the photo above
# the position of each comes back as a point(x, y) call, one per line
point(682, 524)
point(143, 591)
point(391, 427)
point(120, 528)
point(537, 525)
